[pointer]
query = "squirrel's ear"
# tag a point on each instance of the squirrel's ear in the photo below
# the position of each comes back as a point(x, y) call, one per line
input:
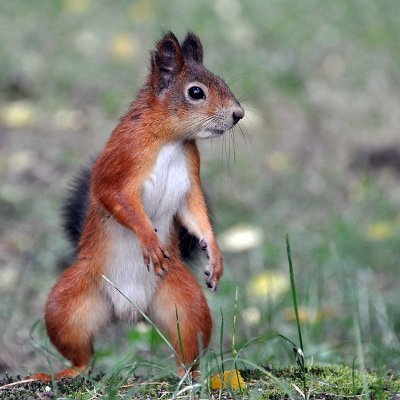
point(166, 62)
point(192, 48)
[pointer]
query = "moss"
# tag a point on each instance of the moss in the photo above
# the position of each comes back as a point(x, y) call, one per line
point(327, 382)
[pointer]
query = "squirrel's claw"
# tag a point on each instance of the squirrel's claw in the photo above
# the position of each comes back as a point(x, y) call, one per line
point(212, 282)
point(214, 271)
point(157, 255)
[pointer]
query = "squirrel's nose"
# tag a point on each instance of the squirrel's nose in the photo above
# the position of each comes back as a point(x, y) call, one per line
point(238, 114)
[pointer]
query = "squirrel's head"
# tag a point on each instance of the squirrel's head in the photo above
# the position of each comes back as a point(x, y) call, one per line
point(198, 103)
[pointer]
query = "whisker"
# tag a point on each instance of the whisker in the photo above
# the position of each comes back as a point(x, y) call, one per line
point(222, 149)
point(234, 145)
point(210, 123)
point(205, 123)
point(244, 133)
point(200, 122)
point(250, 94)
point(228, 152)
point(234, 79)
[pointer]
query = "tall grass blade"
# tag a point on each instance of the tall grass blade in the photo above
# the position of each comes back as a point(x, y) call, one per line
point(178, 327)
point(294, 293)
point(38, 345)
point(234, 352)
point(143, 315)
point(221, 339)
point(298, 352)
point(235, 309)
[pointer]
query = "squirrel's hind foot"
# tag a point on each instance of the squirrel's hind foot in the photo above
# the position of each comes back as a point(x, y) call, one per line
point(65, 373)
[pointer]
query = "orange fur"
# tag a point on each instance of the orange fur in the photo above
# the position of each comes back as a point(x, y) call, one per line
point(179, 299)
point(164, 113)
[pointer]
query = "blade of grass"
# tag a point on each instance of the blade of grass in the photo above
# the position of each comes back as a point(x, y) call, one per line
point(294, 293)
point(235, 309)
point(144, 316)
point(178, 327)
point(234, 352)
point(299, 352)
point(38, 345)
point(281, 383)
point(221, 337)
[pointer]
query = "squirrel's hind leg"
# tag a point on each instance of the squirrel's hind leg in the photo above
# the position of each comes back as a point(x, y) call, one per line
point(179, 297)
point(75, 311)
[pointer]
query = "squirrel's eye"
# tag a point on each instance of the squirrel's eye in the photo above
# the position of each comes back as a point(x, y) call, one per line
point(196, 93)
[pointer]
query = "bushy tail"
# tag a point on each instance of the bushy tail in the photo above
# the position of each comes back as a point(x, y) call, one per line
point(75, 208)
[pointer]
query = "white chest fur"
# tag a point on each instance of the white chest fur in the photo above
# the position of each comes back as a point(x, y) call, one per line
point(166, 188)
point(164, 192)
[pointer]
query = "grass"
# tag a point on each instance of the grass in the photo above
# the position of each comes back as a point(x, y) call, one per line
point(320, 82)
point(261, 382)
point(222, 374)
point(328, 382)
point(298, 351)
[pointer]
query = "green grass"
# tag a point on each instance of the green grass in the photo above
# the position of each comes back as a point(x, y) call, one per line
point(333, 382)
point(319, 80)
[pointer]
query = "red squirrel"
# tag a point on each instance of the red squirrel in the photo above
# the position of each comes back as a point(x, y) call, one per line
point(144, 186)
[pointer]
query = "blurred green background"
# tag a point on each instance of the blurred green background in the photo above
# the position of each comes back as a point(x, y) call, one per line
point(320, 83)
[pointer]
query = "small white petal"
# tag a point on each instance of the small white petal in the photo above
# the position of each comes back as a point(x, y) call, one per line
point(241, 238)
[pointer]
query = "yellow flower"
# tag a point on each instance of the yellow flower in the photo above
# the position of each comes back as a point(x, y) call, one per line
point(77, 6)
point(381, 230)
point(268, 285)
point(17, 114)
point(307, 314)
point(241, 238)
point(230, 379)
point(142, 11)
point(123, 46)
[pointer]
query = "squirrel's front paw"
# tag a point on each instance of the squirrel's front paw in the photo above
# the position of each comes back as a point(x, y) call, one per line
point(214, 271)
point(156, 253)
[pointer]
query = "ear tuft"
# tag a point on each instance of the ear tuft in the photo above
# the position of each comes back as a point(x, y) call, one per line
point(167, 61)
point(192, 48)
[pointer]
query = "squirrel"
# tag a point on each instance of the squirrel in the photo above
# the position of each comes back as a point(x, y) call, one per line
point(144, 187)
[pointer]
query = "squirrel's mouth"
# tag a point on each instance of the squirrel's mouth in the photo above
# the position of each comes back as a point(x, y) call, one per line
point(216, 132)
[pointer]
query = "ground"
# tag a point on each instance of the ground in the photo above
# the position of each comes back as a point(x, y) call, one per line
point(328, 383)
